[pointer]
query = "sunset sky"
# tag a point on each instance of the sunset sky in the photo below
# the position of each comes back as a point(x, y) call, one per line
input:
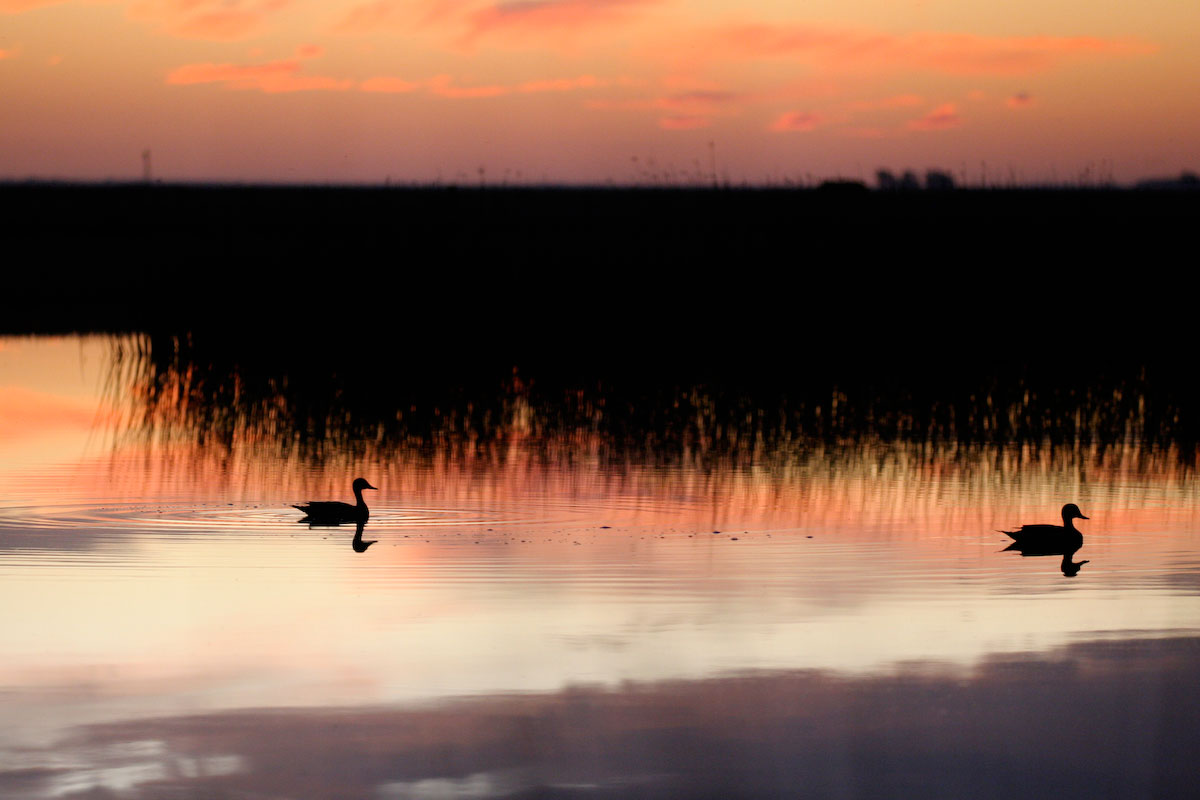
point(597, 90)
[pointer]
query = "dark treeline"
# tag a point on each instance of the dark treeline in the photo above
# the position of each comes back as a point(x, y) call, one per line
point(136, 257)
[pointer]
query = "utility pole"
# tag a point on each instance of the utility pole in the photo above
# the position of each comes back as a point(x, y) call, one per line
point(147, 174)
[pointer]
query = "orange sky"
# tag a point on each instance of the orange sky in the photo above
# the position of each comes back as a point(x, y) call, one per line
point(576, 90)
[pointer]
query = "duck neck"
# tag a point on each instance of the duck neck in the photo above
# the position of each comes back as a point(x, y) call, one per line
point(1068, 522)
point(359, 498)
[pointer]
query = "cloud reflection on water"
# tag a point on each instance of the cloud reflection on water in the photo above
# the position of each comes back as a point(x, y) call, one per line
point(1097, 718)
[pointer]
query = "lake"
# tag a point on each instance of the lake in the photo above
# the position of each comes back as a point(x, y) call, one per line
point(582, 590)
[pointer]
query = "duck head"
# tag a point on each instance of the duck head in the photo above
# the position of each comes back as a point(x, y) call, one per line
point(361, 483)
point(1071, 511)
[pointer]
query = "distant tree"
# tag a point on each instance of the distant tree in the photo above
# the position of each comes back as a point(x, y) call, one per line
point(938, 181)
point(1185, 181)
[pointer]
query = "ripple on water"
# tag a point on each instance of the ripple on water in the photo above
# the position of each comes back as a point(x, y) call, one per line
point(256, 518)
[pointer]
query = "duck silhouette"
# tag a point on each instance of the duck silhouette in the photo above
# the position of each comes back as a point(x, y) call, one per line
point(1052, 540)
point(335, 513)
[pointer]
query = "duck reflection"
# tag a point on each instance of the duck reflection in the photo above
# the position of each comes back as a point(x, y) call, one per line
point(358, 544)
point(1052, 540)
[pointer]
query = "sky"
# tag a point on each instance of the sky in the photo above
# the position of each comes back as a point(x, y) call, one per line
point(597, 91)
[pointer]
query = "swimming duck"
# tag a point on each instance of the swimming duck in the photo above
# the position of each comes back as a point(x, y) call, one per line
point(335, 513)
point(1049, 539)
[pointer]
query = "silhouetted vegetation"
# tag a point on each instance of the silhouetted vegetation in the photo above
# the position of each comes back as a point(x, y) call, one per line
point(330, 393)
point(648, 318)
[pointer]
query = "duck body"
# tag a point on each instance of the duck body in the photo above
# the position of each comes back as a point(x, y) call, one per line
point(335, 513)
point(1049, 540)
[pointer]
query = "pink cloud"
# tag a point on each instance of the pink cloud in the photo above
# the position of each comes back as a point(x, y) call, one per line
point(390, 15)
point(951, 53)
point(684, 122)
point(522, 20)
point(218, 20)
point(562, 84)
point(368, 17)
point(536, 17)
point(709, 99)
point(940, 118)
point(272, 77)
point(1020, 100)
point(699, 103)
point(218, 25)
point(310, 51)
point(442, 85)
point(388, 85)
point(12, 52)
point(796, 121)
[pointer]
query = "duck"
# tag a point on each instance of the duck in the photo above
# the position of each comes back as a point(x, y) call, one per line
point(1049, 540)
point(335, 513)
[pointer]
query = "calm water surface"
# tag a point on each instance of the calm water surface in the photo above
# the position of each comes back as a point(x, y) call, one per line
point(540, 619)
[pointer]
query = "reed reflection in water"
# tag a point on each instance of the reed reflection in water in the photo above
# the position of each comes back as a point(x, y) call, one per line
point(546, 609)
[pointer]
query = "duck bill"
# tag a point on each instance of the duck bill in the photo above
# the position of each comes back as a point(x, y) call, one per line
point(369, 486)
point(1081, 516)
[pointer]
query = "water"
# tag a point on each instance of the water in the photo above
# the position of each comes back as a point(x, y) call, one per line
point(546, 614)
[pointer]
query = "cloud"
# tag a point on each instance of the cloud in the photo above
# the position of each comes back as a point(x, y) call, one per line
point(684, 122)
point(388, 85)
point(524, 17)
point(700, 102)
point(371, 17)
point(443, 86)
point(11, 52)
point(218, 20)
point(944, 52)
point(469, 21)
point(1019, 100)
point(562, 84)
point(754, 734)
point(272, 77)
point(796, 121)
point(940, 118)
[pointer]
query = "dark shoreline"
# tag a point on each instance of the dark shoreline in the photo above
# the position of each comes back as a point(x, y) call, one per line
point(567, 272)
